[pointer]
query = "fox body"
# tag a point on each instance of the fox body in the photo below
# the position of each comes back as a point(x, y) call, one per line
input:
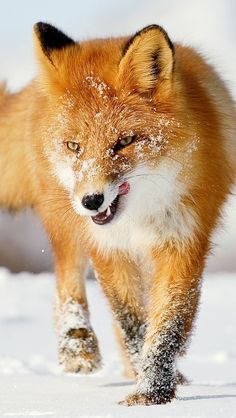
point(126, 149)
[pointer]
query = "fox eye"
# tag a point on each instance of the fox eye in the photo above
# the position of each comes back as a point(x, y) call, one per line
point(73, 146)
point(124, 142)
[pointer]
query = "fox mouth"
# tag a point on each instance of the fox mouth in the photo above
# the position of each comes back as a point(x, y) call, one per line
point(108, 214)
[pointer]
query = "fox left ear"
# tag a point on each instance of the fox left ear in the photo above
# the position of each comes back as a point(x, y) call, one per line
point(50, 40)
point(53, 52)
point(147, 63)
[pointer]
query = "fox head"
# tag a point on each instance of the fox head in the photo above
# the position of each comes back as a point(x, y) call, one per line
point(111, 119)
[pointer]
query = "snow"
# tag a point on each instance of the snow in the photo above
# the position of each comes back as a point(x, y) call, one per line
point(32, 384)
point(89, 168)
point(98, 85)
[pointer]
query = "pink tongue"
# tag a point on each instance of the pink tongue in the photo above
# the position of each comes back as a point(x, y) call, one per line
point(101, 215)
point(124, 188)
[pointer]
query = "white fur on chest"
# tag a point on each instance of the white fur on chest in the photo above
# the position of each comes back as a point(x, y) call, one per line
point(150, 214)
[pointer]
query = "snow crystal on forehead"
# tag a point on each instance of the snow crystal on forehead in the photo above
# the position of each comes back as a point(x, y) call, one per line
point(193, 145)
point(67, 100)
point(169, 122)
point(60, 119)
point(155, 144)
point(100, 86)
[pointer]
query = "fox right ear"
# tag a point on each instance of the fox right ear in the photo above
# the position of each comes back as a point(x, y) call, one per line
point(147, 63)
point(50, 43)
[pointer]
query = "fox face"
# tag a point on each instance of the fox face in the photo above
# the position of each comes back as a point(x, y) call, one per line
point(112, 126)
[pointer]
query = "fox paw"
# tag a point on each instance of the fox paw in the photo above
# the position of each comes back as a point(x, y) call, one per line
point(150, 398)
point(79, 351)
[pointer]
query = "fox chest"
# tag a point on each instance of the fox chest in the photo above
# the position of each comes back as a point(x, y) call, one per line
point(138, 236)
point(151, 214)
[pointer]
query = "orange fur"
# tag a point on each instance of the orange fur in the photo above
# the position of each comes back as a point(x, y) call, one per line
point(95, 93)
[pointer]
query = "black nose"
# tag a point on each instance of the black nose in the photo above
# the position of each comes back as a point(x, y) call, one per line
point(93, 201)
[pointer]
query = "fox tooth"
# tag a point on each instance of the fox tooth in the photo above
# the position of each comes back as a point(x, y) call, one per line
point(108, 211)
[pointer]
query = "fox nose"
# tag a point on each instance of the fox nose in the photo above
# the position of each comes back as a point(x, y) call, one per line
point(93, 201)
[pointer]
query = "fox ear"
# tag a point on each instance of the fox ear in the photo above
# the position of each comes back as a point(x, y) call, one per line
point(147, 64)
point(50, 41)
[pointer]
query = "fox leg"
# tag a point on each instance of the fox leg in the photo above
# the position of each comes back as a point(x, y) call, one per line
point(78, 346)
point(120, 280)
point(174, 295)
point(131, 330)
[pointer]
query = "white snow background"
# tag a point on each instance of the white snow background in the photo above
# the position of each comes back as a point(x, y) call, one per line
point(31, 384)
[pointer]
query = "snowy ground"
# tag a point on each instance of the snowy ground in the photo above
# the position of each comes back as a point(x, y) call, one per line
point(208, 25)
point(32, 384)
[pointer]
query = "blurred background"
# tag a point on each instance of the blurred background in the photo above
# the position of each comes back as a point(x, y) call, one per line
point(209, 25)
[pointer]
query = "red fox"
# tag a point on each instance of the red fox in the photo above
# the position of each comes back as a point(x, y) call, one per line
point(126, 149)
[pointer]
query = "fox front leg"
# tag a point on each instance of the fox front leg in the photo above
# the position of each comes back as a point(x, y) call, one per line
point(174, 296)
point(78, 345)
point(119, 278)
point(131, 328)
